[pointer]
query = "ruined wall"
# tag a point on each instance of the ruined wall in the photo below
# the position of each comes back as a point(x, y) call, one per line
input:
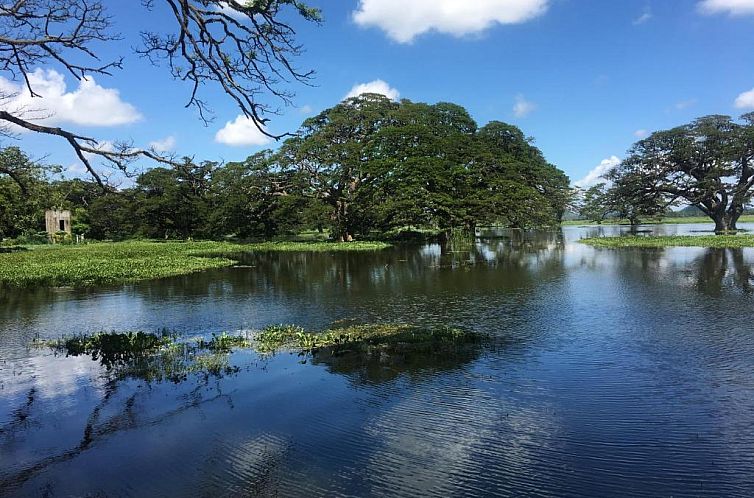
point(57, 221)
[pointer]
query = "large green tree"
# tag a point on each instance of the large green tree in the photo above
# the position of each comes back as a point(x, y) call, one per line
point(420, 163)
point(513, 183)
point(254, 198)
point(173, 202)
point(24, 193)
point(333, 156)
point(708, 163)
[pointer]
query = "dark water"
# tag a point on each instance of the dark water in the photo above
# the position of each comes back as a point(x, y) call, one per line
point(615, 372)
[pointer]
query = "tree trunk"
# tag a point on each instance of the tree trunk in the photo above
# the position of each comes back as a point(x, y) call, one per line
point(341, 231)
point(725, 221)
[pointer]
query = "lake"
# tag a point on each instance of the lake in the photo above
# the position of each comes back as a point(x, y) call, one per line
point(611, 372)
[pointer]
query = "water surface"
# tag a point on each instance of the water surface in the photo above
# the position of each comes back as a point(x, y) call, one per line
point(612, 372)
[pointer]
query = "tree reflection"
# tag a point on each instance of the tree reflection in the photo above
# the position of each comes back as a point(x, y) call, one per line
point(374, 365)
point(720, 269)
point(711, 271)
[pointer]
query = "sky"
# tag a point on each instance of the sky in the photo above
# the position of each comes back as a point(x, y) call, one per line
point(584, 78)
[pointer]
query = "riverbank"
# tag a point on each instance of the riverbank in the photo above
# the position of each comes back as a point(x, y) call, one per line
point(121, 262)
point(720, 241)
point(748, 218)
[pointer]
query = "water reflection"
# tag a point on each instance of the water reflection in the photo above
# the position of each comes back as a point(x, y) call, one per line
point(613, 372)
point(374, 366)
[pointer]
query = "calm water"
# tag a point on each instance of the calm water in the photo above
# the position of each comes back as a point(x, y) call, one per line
point(613, 372)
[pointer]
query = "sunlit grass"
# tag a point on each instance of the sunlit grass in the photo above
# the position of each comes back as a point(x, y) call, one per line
point(110, 263)
point(747, 218)
point(278, 337)
point(720, 241)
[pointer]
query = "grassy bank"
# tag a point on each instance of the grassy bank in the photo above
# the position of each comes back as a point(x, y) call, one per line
point(749, 218)
point(721, 241)
point(110, 263)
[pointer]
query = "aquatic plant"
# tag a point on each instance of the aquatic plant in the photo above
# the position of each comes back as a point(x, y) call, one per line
point(720, 241)
point(112, 263)
point(223, 342)
point(164, 356)
point(279, 337)
point(113, 348)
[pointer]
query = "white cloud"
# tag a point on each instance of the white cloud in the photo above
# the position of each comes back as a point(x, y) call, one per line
point(88, 105)
point(523, 107)
point(745, 100)
point(595, 175)
point(644, 17)
point(229, 11)
point(376, 86)
point(77, 169)
point(164, 144)
point(731, 7)
point(641, 133)
point(685, 104)
point(306, 109)
point(403, 20)
point(241, 132)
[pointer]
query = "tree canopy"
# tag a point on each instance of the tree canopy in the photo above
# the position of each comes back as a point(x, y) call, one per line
point(708, 163)
point(363, 168)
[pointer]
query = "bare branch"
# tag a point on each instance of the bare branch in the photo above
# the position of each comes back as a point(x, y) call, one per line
point(119, 157)
point(242, 47)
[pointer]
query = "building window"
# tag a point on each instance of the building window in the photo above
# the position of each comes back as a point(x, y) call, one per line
point(62, 225)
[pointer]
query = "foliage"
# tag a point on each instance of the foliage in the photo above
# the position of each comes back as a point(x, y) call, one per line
point(111, 263)
point(23, 193)
point(594, 205)
point(113, 348)
point(365, 167)
point(162, 356)
point(708, 163)
point(223, 342)
point(380, 165)
point(277, 337)
point(721, 241)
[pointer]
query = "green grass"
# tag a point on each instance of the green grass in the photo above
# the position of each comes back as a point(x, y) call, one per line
point(120, 262)
point(747, 218)
point(720, 241)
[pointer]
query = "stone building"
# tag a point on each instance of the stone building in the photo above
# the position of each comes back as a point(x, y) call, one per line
point(57, 221)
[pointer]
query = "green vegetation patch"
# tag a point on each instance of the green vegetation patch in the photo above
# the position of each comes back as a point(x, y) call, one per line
point(680, 220)
point(112, 263)
point(721, 241)
point(224, 342)
point(277, 337)
point(163, 356)
point(113, 348)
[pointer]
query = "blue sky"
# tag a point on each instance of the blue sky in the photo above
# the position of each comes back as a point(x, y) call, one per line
point(585, 78)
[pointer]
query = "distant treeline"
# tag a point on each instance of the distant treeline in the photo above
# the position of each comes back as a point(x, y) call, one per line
point(367, 166)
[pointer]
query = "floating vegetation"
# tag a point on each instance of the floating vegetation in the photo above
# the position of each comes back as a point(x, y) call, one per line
point(112, 263)
point(279, 337)
point(164, 356)
point(152, 356)
point(719, 241)
point(224, 343)
point(113, 348)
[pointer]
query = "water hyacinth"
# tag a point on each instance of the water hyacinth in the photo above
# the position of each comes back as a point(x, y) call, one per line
point(113, 263)
point(165, 356)
point(719, 241)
